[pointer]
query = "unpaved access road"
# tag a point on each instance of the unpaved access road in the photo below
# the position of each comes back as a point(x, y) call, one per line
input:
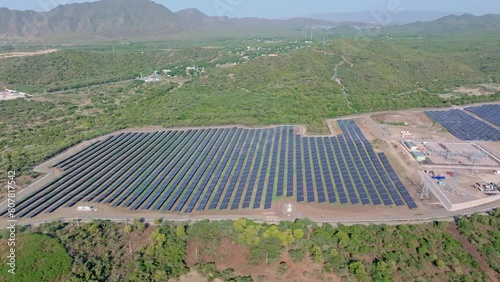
point(25, 54)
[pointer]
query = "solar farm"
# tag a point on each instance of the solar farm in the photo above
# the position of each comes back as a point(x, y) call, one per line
point(466, 127)
point(490, 113)
point(222, 169)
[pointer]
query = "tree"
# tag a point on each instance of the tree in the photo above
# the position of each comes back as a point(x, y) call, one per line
point(298, 234)
point(139, 225)
point(316, 253)
point(357, 268)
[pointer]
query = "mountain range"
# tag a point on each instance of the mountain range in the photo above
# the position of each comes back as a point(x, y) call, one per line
point(116, 19)
point(389, 18)
point(126, 18)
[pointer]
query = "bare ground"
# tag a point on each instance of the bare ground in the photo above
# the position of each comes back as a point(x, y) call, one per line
point(235, 256)
point(25, 54)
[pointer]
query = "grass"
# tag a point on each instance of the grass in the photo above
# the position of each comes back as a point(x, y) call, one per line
point(38, 258)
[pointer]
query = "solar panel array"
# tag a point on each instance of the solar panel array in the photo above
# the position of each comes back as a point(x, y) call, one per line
point(464, 126)
point(489, 112)
point(221, 169)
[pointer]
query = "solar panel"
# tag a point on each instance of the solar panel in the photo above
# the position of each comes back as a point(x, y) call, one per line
point(51, 198)
point(237, 173)
point(181, 170)
point(229, 168)
point(134, 155)
point(255, 170)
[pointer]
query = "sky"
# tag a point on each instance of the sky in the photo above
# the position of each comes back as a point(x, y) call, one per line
point(291, 8)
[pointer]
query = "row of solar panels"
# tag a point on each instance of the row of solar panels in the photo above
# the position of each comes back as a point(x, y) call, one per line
point(218, 169)
point(121, 186)
point(376, 166)
point(464, 126)
point(489, 112)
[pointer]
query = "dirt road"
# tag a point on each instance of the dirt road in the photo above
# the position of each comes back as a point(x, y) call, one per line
point(453, 229)
point(25, 54)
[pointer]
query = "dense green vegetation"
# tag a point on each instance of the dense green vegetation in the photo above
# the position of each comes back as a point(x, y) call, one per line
point(68, 69)
point(107, 251)
point(478, 51)
point(298, 87)
point(39, 258)
point(483, 232)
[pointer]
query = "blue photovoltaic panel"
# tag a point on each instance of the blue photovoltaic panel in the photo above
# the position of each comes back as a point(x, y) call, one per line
point(263, 172)
point(489, 112)
point(464, 126)
point(344, 170)
point(169, 171)
point(214, 157)
point(255, 170)
point(123, 167)
point(82, 189)
point(246, 171)
point(179, 170)
point(60, 184)
point(232, 189)
point(196, 164)
point(307, 162)
point(317, 171)
point(156, 169)
point(230, 166)
point(234, 167)
point(229, 144)
point(51, 196)
point(326, 172)
point(299, 165)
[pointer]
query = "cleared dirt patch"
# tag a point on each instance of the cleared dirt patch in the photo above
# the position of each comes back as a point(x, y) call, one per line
point(235, 256)
point(25, 54)
point(7, 95)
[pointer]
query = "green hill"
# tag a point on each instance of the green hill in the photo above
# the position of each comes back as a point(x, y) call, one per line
point(450, 25)
point(302, 85)
point(372, 67)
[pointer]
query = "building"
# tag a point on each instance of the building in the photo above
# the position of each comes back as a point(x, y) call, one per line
point(410, 145)
point(419, 156)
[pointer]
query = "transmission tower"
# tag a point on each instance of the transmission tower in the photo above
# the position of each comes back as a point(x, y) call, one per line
point(476, 158)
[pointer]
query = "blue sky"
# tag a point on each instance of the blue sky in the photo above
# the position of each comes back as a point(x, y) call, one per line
point(290, 8)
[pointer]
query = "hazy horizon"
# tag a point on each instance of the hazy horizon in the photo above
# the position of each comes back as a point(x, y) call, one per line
point(287, 9)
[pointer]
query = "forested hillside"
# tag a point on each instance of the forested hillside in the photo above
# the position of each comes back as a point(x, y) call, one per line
point(244, 250)
point(68, 69)
point(364, 67)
